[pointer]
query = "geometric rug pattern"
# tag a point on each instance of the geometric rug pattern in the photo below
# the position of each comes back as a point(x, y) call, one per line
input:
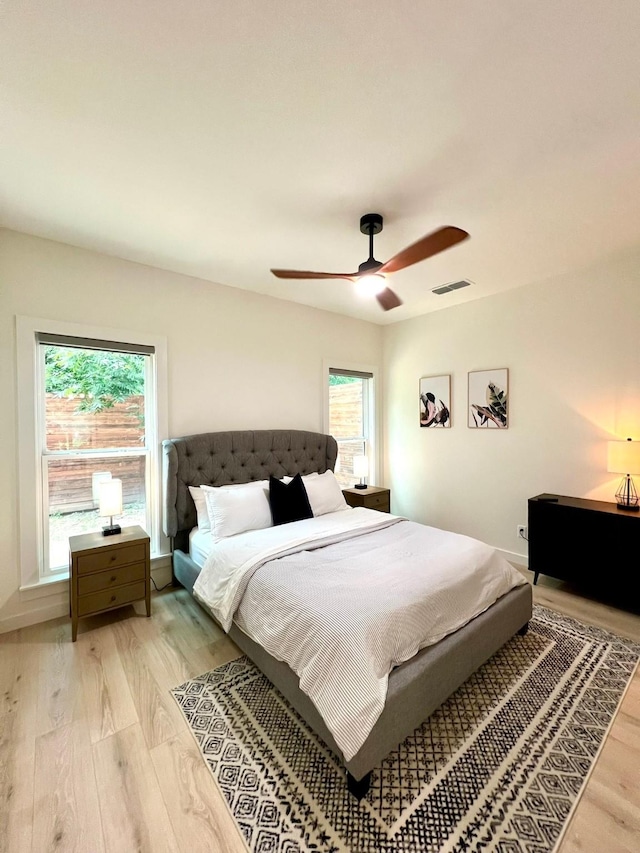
point(498, 767)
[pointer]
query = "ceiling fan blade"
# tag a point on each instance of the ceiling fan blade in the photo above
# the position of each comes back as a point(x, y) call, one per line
point(388, 299)
point(430, 245)
point(307, 274)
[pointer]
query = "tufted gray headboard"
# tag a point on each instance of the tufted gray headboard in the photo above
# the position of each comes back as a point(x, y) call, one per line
point(221, 458)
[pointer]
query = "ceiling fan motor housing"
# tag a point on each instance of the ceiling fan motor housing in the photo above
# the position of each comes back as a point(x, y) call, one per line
point(370, 265)
point(371, 223)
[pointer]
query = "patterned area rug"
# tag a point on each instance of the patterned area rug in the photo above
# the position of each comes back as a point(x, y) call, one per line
point(498, 767)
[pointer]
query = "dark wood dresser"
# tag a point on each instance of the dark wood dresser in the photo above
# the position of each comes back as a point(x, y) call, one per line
point(589, 543)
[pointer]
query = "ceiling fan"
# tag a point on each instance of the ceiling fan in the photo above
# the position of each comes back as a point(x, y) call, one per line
point(374, 271)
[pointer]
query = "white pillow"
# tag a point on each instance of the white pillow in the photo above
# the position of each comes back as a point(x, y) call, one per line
point(324, 493)
point(236, 510)
point(305, 477)
point(200, 500)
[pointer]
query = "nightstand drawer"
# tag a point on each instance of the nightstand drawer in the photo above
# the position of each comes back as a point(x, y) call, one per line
point(110, 598)
point(377, 501)
point(109, 579)
point(111, 558)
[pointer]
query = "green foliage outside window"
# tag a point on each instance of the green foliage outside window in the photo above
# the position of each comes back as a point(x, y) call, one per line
point(98, 378)
point(337, 379)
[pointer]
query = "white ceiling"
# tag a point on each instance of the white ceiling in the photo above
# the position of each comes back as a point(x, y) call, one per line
point(224, 138)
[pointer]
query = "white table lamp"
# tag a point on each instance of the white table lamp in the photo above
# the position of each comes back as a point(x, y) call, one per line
point(110, 504)
point(361, 470)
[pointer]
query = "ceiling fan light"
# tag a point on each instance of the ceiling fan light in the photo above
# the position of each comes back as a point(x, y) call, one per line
point(370, 285)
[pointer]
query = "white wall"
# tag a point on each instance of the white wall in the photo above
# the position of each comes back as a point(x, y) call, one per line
point(572, 346)
point(242, 360)
point(237, 360)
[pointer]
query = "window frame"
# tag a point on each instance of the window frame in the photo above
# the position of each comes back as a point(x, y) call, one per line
point(373, 439)
point(30, 414)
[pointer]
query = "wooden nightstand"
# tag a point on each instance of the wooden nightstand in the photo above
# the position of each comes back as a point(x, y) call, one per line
point(107, 572)
point(373, 497)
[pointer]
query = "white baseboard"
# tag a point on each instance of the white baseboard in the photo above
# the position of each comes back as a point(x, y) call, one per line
point(33, 617)
point(512, 557)
point(161, 574)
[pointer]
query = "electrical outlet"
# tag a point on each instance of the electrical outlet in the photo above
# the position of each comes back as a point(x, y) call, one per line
point(522, 531)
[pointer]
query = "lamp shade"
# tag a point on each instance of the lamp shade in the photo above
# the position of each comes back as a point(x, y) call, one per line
point(96, 478)
point(360, 466)
point(624, 457)
point(110, 497)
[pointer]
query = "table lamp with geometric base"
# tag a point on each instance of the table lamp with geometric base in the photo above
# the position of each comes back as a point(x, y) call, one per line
point(624, 458)
point(110, 504)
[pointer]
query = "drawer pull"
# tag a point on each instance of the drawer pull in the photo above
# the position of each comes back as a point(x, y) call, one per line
point(113, 598)
point(113, 578)
point(113, 557)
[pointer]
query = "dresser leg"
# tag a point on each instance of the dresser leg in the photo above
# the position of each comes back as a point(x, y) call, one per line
point(74, 628)
point(535, 578)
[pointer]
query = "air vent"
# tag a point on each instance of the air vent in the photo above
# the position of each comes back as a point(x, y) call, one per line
point(453, 285)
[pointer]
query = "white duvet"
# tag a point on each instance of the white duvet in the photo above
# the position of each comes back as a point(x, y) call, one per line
point(345, 597)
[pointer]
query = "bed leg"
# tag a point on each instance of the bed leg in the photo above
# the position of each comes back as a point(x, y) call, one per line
point(522, 631)
point(358, 787)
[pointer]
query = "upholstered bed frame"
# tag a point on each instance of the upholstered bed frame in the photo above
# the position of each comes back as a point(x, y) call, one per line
point(417, 687)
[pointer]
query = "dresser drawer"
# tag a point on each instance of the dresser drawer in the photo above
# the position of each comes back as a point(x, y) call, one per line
point(110, 598)
point(108, 579)
point(111, 558)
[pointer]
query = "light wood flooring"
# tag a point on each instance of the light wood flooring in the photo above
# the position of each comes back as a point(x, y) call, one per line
point(95, 755)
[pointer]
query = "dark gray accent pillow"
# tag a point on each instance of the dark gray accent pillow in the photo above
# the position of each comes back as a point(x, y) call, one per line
point(288, 501)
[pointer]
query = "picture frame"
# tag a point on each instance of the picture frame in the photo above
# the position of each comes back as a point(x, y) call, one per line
point(488, 399)
point(435, 402)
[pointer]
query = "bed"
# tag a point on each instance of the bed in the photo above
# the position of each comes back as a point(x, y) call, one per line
point(415, 687)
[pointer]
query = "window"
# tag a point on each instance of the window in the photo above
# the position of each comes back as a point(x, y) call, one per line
point(94, 397)
point(351, 420)
point(91, 413)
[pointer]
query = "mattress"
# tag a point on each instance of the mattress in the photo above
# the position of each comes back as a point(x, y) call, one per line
point(200, 545)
